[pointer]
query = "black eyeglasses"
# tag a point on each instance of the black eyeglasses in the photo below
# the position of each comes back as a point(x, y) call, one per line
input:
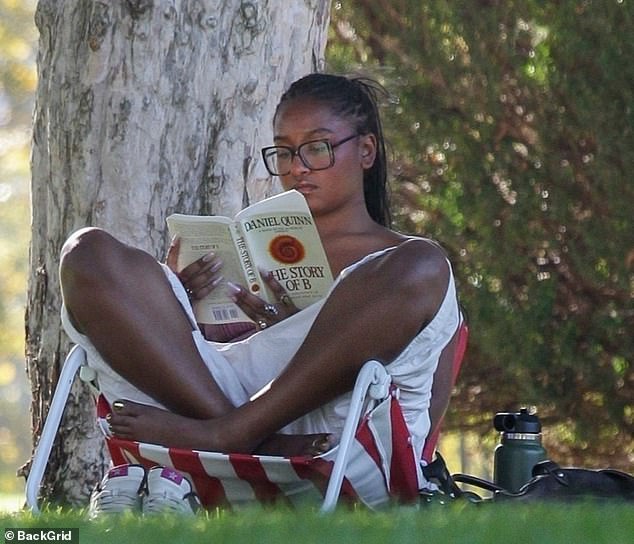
point(315, 155)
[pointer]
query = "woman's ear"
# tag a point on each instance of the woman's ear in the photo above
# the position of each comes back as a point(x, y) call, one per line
point(367, 150)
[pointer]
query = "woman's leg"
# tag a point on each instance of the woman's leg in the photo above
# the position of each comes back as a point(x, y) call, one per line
point(121, 299)
point(365, 317)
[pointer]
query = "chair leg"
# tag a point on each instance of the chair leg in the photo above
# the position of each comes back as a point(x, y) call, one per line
point(371, 374)
point(75, 359)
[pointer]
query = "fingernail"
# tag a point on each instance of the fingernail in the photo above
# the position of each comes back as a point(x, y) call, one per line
point(208, 257)
point(265, 273)
point(233, 289)
point(216, 281)
point(117, 405)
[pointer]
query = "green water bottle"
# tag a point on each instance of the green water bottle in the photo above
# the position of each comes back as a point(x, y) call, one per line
point(519, 450)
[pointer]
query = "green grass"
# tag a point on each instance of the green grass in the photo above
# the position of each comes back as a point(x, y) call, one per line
point(507, 524)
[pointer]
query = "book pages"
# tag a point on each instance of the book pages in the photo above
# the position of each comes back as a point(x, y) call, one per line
point(277, 235)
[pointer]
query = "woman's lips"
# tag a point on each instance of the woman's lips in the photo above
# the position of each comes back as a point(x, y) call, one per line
point(305, 187)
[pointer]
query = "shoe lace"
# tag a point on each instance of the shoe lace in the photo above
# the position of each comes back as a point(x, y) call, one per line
point(109, 501)
point(167, 503)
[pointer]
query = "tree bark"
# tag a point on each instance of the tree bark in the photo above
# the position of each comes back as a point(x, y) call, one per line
point(143, 108)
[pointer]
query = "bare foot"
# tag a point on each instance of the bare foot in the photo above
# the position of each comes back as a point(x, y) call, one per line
point(132, 421)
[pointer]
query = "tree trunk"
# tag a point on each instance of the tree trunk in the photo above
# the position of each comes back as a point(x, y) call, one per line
point(143, 108)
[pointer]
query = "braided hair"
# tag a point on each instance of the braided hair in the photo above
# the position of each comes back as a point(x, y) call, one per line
point(356, 98)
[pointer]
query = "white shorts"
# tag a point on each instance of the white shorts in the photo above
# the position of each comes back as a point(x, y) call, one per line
point(242, 369)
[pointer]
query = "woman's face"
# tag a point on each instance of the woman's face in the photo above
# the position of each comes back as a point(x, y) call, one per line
point(302, 120)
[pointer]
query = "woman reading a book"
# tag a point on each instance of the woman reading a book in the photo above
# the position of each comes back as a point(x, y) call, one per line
point(393, 300)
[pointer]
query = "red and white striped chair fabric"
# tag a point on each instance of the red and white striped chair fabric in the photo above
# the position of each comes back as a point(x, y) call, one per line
point(380, 466)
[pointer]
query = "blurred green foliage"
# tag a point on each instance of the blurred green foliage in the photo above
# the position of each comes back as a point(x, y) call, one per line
point(511, 131)
point(17, 85)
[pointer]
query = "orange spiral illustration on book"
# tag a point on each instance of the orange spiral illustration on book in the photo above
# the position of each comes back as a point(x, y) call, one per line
point(286, 249)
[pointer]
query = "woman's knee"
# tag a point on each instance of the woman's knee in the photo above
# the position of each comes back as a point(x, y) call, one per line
point(90, 258)
point(83, 249)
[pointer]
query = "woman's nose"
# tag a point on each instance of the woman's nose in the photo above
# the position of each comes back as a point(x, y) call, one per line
point(298, 166)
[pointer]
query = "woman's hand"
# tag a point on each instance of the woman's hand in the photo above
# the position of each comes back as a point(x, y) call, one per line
point(203, 276)
point(263, 313)
point(200, 277)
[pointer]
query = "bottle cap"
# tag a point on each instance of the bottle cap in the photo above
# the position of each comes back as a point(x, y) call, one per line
point(518, 422)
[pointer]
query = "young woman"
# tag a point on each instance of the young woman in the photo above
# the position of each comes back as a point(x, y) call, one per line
point(394, 300)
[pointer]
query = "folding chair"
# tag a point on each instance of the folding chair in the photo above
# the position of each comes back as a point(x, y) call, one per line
point(373, 464)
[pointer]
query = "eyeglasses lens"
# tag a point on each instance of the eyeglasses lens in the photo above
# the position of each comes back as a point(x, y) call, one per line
point(315, 155)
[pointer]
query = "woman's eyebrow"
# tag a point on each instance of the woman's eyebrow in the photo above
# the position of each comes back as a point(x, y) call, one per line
point(315, 133)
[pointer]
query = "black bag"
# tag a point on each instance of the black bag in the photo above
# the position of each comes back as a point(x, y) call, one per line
point(550, 482)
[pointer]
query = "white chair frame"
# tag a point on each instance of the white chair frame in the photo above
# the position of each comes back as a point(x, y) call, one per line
point(372, 382)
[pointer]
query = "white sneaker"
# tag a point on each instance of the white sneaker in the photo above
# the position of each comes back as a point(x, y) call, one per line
point(120, 491)
point(170, 492)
